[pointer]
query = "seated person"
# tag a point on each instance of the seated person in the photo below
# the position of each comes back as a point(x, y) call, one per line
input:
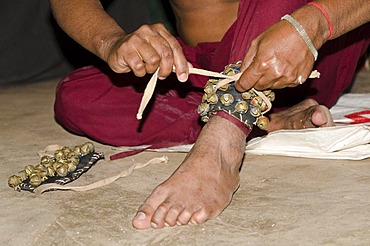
point(102, 104)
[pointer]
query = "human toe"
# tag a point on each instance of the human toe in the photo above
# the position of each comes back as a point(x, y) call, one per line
point(142, 219)
point(184, 217)
point(321, 117)
point(199, 217)
point(158, 218)
point(173, 214)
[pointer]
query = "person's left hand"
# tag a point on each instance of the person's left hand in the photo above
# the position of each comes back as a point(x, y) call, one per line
point(277, 58)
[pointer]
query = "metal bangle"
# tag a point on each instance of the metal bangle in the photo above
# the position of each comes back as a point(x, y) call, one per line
point(302, 33)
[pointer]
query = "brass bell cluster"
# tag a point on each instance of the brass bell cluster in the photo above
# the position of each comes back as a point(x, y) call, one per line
point(63, 162)
point(226, 98)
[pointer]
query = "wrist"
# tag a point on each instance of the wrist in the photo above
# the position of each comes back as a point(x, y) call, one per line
point(319, 7)
point(302, 32)
point(106, 44)
point(316, 26)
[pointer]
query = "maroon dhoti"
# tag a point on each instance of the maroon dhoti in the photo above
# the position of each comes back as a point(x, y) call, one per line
point(102, 105)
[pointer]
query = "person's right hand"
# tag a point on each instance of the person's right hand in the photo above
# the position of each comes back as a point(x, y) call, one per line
point(276, 59)
point(146, 49)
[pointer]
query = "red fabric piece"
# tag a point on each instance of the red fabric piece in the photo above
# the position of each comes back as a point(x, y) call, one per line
point(124, 154)
point(102, 105)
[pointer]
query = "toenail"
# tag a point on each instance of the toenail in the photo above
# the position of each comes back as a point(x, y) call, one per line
point(154, 225)
point(193, 222)
point(140, 216)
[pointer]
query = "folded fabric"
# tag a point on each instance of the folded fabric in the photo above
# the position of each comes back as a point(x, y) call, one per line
point(350, 139)
point(340, 142)
point(352, 108)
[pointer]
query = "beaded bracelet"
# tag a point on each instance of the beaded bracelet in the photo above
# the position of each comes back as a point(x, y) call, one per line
point(243, 109)
point(323, 11)
point(302, 33)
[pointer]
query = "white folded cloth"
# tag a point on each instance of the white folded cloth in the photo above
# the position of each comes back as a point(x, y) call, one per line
point(350, 142)
point(357, 105)
point(344, 141)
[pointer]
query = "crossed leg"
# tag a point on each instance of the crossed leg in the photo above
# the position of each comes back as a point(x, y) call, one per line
point(203, 185)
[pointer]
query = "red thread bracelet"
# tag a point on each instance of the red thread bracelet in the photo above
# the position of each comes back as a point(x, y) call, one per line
point(323, 11)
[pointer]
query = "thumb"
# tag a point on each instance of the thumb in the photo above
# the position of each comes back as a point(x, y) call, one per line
point(248, 58)
point(248, 79)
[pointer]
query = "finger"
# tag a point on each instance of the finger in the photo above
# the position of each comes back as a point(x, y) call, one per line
point(306, 74)
point(135, 62)
point(125, 58)
point(248, 58)
point(290, 79)
point(142, 41)
point(286, 81)
point(265, 83)
point(281, 85)
point(181, 64)
point(150, 57)
point(129, 56)
point(158, 41)
point(178, 57)
point(248, 79)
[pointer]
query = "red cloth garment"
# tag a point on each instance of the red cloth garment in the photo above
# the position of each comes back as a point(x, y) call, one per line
point(102, 105)
point(337, 60)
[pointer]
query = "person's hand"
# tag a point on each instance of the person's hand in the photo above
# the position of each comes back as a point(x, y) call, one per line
point(277, 58)
point(146, 49)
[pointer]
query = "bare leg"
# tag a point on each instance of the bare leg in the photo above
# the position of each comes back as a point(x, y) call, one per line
point(307, 114)
point(202, 187)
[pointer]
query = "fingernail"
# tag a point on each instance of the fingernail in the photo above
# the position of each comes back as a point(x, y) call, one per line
point(166, 225)
point(140, 216)
point(154, 225)
point(161, 78)
point(193, 222)
point(182, 77)
point(178, 223)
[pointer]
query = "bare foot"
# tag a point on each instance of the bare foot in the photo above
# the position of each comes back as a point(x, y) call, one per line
point(307, 114)
point(203, 185)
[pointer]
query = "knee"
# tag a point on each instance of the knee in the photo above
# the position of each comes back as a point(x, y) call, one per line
point(67, 105)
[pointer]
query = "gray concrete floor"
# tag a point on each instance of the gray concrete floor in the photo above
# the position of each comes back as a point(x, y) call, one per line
point(281, 200)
